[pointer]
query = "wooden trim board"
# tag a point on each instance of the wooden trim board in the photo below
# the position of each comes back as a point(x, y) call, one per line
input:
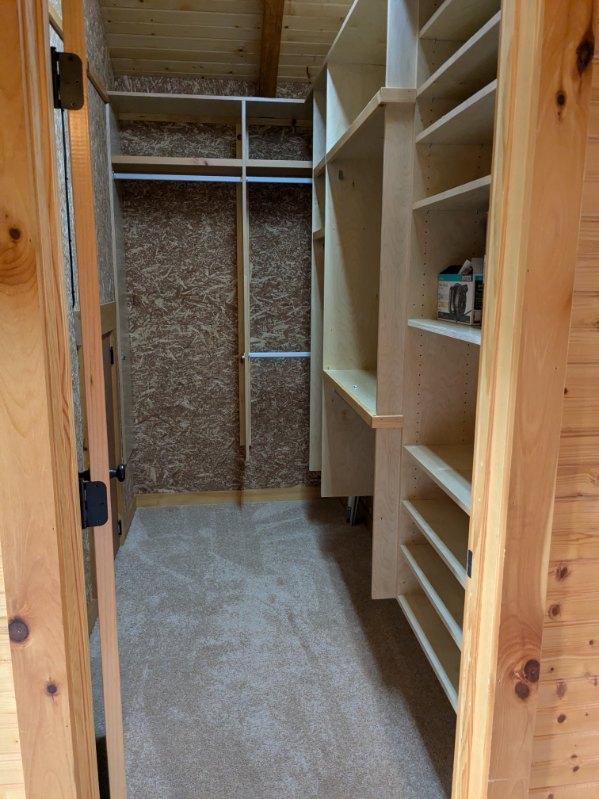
point(240, 497)
point(46, 713)
point(544, 84)
point(95, 401)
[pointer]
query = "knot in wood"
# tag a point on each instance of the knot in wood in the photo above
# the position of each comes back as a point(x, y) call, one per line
point(532, 670)
point(584, 53)
point(18, 631)
point(522, 690)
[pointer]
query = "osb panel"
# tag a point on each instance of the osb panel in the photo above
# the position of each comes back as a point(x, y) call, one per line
point(182, 139)
point(180, 256)
point(198, 85)
point(100, 167)
point(97, 51)
point(280, 424)
point(180, 264)
point(280, 141)
point(280, 225)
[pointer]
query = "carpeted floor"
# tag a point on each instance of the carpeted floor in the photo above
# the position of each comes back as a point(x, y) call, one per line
point(255, 666)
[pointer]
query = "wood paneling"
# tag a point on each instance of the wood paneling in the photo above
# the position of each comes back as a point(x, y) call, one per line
point(221, 38)
point(566, 751)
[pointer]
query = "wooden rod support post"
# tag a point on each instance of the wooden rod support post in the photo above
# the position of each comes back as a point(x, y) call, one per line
point(243, 290)
point(545, 66)
point(93, 369)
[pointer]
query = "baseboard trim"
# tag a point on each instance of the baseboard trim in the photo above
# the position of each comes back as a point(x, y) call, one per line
point(239, 497)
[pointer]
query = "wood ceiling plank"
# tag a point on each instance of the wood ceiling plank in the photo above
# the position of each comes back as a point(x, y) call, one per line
point(204, 19)
point(272, 26)
point(128, 66)
point(206, 56)
point(250, 45)
point(212, 6)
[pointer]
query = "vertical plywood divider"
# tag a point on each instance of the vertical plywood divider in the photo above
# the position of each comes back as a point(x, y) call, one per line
point(40, 535)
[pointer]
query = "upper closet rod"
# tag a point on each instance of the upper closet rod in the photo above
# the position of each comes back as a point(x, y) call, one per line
point(208, 178)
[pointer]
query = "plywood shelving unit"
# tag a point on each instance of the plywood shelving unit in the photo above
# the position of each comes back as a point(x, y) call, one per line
point(404, 117)
point(453, 137)
point(364, 101)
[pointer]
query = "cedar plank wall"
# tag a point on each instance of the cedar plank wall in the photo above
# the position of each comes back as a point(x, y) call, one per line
point(566, 752)
point(180, 264)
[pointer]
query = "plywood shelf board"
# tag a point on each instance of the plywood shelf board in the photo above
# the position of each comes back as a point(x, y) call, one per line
point(450, 467)
point(319, 168)
point(473, 195)
point(358, 388)
point(318, 235)
point(472, 65)
point(366, 132)
point(445, 526)
point(439, 327)
point(362, 38)
point(144, 105)
point(167, 165)
point(470, 122)
point(437, 645)
point(443, 591)
point(457, 20)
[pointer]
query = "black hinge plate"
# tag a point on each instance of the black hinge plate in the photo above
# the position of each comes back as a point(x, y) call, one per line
point(93, 498)
point(469, 563)
point(67, 80)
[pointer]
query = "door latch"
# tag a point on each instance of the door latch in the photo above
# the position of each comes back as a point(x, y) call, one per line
point(93, 499)
point(119, 472)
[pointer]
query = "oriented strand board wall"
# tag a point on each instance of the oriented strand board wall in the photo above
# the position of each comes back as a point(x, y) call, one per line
point(566, 752)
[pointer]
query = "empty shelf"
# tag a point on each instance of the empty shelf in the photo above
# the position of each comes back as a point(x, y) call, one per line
point(472, 65)
point(471, 122)
point(167, 165)
point(358, 388)
point(468, 333)
point(444, 593)
point(472, 196)
point(436, 643)
point(450, 467)
point(457, 20)
point(274, 168)
point(366, 131)
point(445, 526)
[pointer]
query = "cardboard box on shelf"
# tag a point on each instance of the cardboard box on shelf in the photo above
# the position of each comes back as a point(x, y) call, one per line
point(460, 293)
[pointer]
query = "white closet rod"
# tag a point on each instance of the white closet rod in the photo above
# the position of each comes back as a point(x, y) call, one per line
point(278, 355)
point(187, 178)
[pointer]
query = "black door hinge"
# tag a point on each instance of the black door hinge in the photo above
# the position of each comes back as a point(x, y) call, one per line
point(93, 498)
point(120, 527)
point(469, 563)
point(67, 80)
point(112, 355)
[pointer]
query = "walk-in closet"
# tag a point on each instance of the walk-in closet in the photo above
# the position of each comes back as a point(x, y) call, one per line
point(298, 399)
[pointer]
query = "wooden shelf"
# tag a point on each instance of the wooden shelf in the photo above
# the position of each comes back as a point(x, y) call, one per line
point(358, 388)
point(365, 134)
point(189, 107)
point(318, 235)
point(457, 20)
point(472, 65)
point(167, 165)
point(471, 122)
point(319, 168)
point(438, 646)
point(450, 467)
point(472, 196)
point(278, 168)
point(446, 528)
point(467, 333)
point(362, 38)
point(444, 593)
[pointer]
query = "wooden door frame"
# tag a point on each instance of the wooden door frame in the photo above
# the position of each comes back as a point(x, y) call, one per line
point(544, 84)
point(47, 715)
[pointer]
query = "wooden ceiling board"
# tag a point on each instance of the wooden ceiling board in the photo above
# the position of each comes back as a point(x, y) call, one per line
point(217, 38)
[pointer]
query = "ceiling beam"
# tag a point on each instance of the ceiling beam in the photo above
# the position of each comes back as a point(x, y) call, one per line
point(272, 25)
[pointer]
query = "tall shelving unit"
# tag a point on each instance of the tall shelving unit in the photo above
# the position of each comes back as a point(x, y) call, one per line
point(404, 117)
point(364, 102)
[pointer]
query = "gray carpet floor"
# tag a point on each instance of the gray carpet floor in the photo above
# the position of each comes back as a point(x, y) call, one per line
point(256, 666)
